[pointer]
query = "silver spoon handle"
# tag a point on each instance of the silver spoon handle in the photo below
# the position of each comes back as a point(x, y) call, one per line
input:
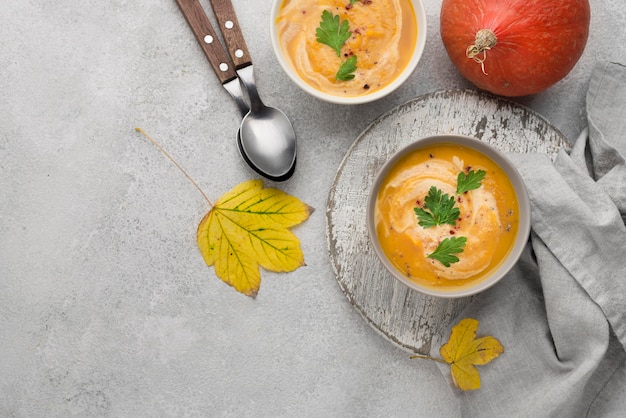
point(233, 36)
point(246, 76)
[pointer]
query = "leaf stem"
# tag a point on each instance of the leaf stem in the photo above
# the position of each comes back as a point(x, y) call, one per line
point(438, 360)
point(156, 144)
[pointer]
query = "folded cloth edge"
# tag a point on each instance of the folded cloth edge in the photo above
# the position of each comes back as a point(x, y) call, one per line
point(590, 240)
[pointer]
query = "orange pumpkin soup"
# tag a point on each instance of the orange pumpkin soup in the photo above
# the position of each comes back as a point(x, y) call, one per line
point(382, 35)
point(488, 216)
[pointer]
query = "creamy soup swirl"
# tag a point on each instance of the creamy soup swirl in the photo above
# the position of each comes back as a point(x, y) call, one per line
point(479, 221)
point(383, 35)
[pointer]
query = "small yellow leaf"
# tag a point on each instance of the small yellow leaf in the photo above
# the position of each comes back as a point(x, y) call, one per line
point(247, 228)
point(464, 351)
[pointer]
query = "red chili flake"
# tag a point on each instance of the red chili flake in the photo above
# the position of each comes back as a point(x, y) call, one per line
point(366, 87)
point(418, 203)
point(348, 6)
point(452, 232)
point(431, 156)
point(468, 168)
point(458, 199)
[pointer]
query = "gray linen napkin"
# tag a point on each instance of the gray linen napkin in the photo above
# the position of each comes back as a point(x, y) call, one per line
point(561, 312)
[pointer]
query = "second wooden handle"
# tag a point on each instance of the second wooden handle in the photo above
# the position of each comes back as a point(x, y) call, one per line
point(208, 40)
point(233, 36)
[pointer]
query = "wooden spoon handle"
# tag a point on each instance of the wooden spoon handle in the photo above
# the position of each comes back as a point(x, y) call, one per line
point(233, 36)
point(208, 40)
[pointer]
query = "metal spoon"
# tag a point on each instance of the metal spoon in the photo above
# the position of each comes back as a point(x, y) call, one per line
point(268, 151)
point(268, 140)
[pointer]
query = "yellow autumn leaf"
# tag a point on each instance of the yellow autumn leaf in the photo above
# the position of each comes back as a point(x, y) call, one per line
point(247, 228)
point(464, 351)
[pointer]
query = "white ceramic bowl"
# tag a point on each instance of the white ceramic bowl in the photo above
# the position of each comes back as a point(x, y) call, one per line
point(522, 199)
point(416, 54)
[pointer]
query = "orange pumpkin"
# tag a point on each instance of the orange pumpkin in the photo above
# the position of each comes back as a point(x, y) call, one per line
point(514, 47)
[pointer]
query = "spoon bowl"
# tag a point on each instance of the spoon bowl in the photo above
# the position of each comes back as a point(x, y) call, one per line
point(268, 140)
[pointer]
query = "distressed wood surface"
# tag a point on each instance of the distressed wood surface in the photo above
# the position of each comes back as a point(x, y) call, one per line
point(410, 320)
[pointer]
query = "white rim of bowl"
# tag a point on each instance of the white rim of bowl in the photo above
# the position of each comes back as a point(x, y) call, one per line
point(523, 232)
point(420, 44)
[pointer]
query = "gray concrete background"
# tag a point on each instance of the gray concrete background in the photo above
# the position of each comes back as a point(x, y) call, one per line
point(106, 306)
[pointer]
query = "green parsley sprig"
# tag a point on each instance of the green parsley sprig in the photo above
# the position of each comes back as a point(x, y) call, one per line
point(347, 69)
point(470, 181)
point(446, 250)
point(332, 31)
point(440, 208)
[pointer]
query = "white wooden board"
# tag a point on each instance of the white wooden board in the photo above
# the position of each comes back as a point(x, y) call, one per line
point(407, 318)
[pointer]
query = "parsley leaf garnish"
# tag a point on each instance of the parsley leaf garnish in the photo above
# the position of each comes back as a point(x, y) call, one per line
point(446, 250)
point(332, 31)
point(346, 70)
point(440, 209)
point(469, 181)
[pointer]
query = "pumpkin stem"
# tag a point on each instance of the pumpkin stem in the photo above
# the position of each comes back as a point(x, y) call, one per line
point(485, 39)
